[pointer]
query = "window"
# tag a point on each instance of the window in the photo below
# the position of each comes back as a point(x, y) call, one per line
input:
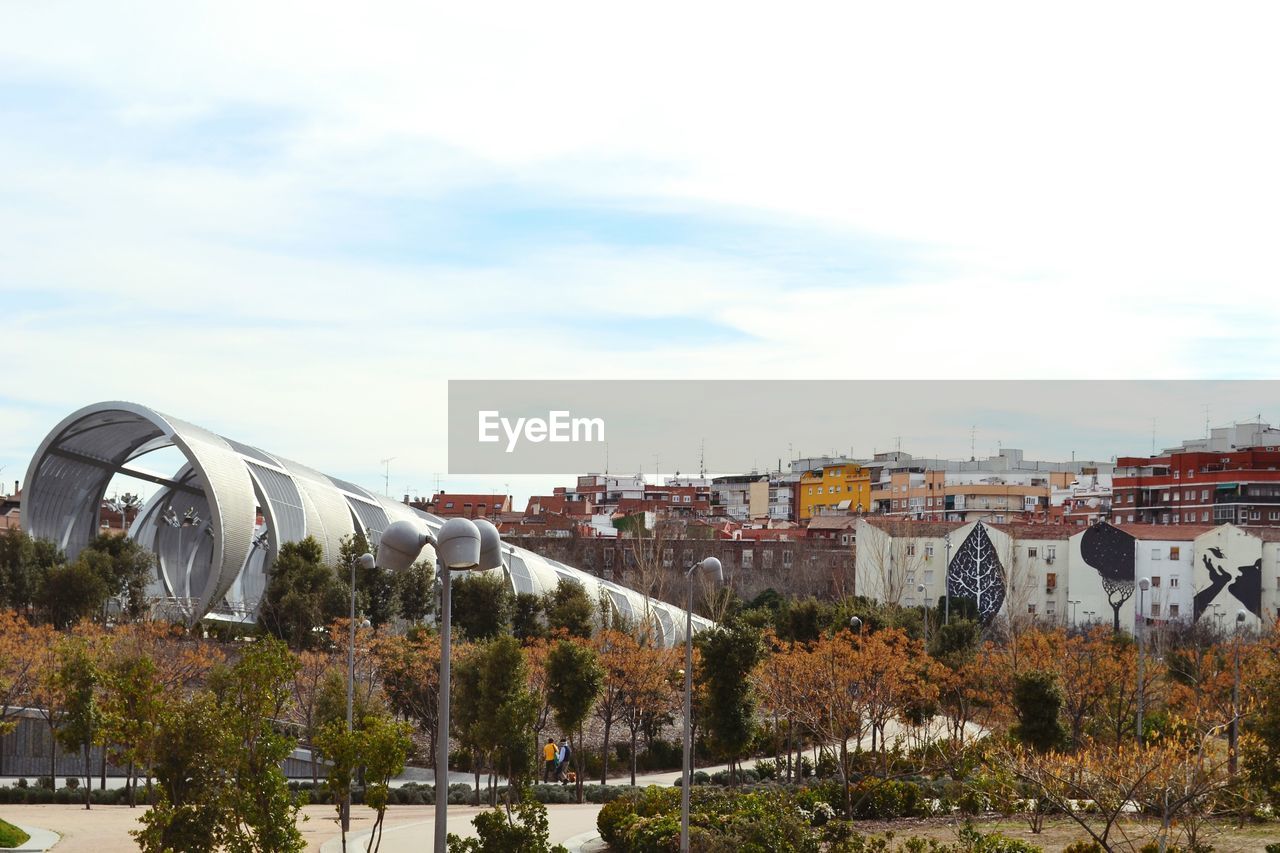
point(911, 549)
point(1155, 610)
point(911, 578)
point(1204, 516)
point(767, 559)
point(1173, 582)
point(1155, 553)
point(1175, 552)
point(449, 505)
point(928, 578)
point(786, 558)
point(1204, 494)
point(1031, 608)
point(1191, 473)
point(811, 490)
point(608, 558)
point(928, 551)
point(1273, 516)
point(668, 557)
point(1131, 497)
point(1177, 518)
point(999, 519)
point(1177, 496)
point(1051, 580)
point(1032, 552)
point(1155, 581)
point(1051, 552)
point(747, 556)
point(1173, 611)
point(1176, 474)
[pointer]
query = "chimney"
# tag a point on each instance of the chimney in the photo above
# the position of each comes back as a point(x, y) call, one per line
point(406, 498)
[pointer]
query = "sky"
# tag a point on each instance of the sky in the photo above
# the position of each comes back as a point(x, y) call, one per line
point(292, 223)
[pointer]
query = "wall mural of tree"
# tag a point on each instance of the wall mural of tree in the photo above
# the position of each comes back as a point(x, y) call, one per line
point(1109, 551)
point(975, 572)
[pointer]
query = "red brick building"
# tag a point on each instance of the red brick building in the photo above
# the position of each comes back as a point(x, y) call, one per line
point(1240, 486)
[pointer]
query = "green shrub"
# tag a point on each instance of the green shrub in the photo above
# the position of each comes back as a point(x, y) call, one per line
point(526, 833)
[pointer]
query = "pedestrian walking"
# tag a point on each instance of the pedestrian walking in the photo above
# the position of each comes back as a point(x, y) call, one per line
point(562, 761)
point(551, 759)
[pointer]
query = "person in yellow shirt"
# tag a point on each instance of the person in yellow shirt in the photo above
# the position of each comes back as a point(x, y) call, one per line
point(549, 755)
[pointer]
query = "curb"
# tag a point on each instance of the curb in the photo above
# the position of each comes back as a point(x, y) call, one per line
point(585, 842)
point(40, 841)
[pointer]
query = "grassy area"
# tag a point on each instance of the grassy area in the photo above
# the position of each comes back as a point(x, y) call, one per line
point(11, 836)
point(1060, 832)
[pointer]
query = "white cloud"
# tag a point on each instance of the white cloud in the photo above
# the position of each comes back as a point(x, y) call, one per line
point(1073, 192)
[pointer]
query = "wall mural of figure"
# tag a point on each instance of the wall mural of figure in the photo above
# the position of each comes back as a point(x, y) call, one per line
point(1109, 551)
point(975, 572)
point(1230, 560)
point(1247, 587)
point(1218, 578)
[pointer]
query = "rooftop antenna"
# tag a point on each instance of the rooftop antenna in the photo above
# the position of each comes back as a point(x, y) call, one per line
point(1206, 421)
point(1153, 436)
point(973, 442)
point(606, 458)
point(386, 474)
point(702, 459)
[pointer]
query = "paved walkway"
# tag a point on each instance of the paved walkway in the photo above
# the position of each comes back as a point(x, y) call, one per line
point(410, 829)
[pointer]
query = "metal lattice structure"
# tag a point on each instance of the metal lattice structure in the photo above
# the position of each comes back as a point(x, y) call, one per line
point(216, 523)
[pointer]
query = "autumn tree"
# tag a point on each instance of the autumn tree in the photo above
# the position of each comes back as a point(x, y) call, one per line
point(409, 666)
point(648, 694)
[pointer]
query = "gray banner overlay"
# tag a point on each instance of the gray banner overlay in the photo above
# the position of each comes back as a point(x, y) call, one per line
point(737, 426)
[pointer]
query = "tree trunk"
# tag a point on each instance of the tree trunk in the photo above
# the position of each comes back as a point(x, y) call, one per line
point(475, 767)
point(102, 783)
point(88, 776)
point(604, 758)
point(53, 757)
point(582, 765)
point(132, 784)
point(633, 758)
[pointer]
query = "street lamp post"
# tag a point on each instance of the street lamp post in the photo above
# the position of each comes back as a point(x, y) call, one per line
point(364, 561)
point(924, 612)
point(709, 565)
point(1143, 585)
point(1241, 616)
point(1073, 602)
point(461, 545)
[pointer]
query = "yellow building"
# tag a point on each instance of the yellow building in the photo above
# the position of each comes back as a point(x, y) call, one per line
point(839, 487)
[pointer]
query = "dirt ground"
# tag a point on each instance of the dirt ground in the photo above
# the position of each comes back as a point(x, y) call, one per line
point(1060, 832)
point(105, 829)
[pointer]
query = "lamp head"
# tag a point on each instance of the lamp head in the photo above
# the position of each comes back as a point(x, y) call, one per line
point(400, 545)
point(490, 545)
point(458, 544)
point(1241, 615)
point(712, 566)
point(1145, 584)
point(366, 561)
point(855, 623)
